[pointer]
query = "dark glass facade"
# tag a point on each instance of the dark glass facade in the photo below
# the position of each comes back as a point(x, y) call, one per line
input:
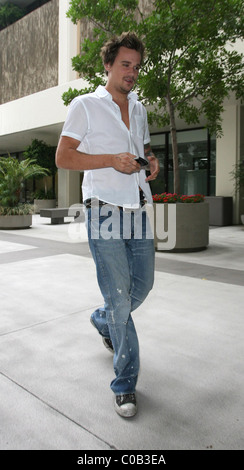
point(197, 162)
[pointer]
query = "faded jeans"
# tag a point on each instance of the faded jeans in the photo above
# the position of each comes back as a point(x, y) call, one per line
point(125, 274)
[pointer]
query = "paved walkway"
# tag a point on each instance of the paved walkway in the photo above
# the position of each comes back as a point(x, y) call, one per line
point(55, 372)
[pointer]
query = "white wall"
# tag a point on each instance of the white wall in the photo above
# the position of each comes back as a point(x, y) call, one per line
point(40, 109)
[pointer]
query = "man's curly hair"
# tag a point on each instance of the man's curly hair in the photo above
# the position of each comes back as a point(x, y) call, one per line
point(130, 40)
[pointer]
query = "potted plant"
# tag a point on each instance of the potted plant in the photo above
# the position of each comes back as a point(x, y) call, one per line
point(44, 199)
point(238, 176)
point(44, 155)
point(13, 175)
point(181, 223)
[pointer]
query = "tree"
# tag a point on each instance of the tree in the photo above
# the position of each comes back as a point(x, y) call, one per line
point(238, 176)
point(192, 64)
point(9, 13)
point(44, 155)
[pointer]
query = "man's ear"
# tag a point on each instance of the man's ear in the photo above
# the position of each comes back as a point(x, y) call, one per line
point(107, 67)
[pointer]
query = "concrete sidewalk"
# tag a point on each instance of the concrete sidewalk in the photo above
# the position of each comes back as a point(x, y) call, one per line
point(55, 372)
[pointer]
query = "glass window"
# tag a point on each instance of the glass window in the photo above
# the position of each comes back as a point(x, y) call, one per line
point(193, 161)
point(197, 162)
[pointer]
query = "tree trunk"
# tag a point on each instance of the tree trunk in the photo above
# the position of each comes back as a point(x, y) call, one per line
point(174, 146)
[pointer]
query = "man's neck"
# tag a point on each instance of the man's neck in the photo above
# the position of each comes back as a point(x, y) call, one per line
point(120, 98)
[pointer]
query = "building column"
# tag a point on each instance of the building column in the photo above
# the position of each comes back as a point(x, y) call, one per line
point(68, 44)
point(241, 211)
point(69, 188)
point(227, 155)
point(68, 181)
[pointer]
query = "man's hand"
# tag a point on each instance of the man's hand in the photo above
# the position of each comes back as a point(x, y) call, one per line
point(153, 168)
point(126, 163)
point(153, 163)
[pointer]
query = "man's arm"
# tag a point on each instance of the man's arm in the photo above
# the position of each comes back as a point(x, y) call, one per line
point(153, 163)
point(68, 158)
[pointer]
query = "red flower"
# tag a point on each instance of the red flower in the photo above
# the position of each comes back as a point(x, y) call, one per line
point(173, 198)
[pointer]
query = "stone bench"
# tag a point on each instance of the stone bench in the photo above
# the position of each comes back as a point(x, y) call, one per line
point(58, 214)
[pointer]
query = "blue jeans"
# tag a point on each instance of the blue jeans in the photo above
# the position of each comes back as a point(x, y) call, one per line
point(125, 274)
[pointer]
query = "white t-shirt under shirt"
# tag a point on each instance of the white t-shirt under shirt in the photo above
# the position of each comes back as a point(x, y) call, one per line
point(95, 120)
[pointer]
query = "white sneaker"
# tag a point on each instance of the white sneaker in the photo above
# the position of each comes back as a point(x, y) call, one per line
point(125, 405)
point(108, 344)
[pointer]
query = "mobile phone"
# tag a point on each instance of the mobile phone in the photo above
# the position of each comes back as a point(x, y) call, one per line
point(142, 161)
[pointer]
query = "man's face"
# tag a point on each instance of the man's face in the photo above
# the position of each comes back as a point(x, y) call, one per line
point(123, 73)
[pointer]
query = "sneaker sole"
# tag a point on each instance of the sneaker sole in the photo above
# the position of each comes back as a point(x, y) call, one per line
point(126, 411)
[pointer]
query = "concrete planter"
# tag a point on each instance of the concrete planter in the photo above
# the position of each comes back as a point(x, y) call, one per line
point(181, 227)
point(220, 210)
point(13, 222)
point(43, 204)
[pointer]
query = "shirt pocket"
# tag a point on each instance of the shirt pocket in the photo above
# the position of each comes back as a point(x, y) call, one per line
point(139, 126)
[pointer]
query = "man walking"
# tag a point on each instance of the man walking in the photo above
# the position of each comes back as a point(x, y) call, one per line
point(104, 135)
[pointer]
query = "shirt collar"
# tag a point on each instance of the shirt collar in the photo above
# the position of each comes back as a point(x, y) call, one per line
point(101, 92)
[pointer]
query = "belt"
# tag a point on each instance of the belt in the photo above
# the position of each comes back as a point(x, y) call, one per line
point(88, 203)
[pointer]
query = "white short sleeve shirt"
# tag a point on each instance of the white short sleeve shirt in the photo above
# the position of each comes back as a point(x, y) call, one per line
point(95, 120)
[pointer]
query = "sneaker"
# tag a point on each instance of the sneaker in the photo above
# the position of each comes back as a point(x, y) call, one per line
point(108, 344)
point(106, 341)
point(125, 405)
